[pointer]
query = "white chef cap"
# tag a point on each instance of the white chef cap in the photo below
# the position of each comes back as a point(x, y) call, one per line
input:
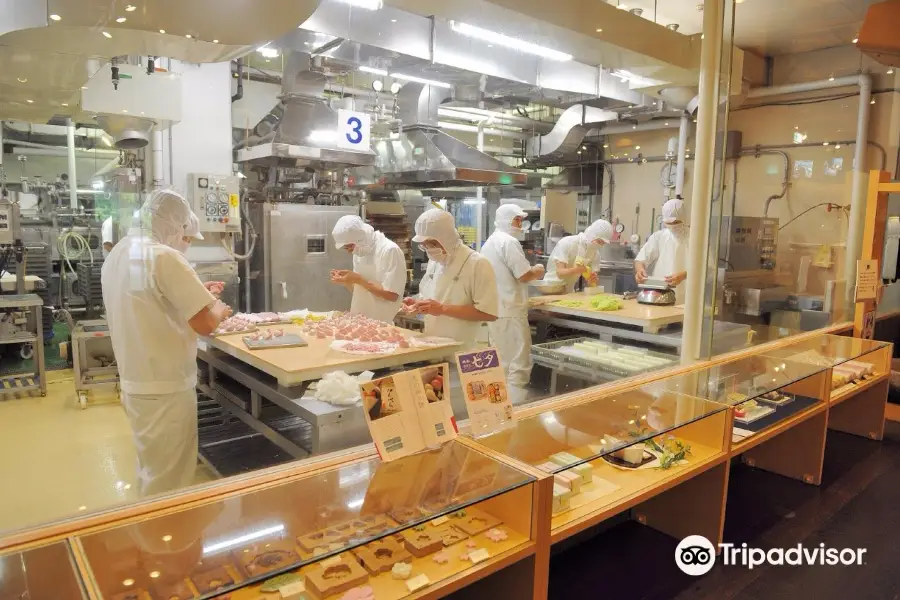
point(504, 216)
point(193, 227)
point(350, 229)
point(436, 224)
point(600, 229)
point(673, 210)
point(167, 215)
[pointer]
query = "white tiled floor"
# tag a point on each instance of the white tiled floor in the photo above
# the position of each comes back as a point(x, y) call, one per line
point(57, 460)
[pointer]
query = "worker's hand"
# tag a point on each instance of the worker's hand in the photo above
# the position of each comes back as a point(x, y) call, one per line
point(593, 279)
point(676, 278)
point(581, 262)
point(429, 307)
point(215, 287)
point(539, 271)
point(220, 310)
point(345, 276)
point(640, 273)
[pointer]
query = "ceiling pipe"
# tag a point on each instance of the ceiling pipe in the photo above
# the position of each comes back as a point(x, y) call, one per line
point(808, 86)
point(684, 127)
point(858, 191)
point(70, 145)
point(46, 150)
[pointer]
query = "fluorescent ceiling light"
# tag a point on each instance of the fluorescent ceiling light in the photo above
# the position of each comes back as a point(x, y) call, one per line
point(131, 8)
point(373, 71)
point(56, 17)
point(268, 52)
point(121, 20)
point(243, 539)
point(504, 40)
point(405, 77)
point(366, 4)
point(107, 34)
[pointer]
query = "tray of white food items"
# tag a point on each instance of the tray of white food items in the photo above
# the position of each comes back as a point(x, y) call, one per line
point(751, 411)
point(234, 325)
point(592, 355)
point(273, 338)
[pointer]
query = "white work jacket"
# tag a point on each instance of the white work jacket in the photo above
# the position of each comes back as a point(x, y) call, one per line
point(386, 266)
point(467, 279)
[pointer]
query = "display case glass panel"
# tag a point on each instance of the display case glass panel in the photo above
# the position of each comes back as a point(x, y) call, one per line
point(606, 451)
point(763, 390)
point(854, 362)
point(334, 531)
point(43, 573)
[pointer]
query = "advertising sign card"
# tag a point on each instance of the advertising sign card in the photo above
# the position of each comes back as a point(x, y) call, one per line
point(486, 393)
point(409, 411)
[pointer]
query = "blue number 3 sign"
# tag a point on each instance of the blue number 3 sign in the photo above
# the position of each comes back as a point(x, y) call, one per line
point(355, 135)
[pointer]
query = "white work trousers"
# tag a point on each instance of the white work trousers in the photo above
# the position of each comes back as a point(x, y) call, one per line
point(165, 435)
point(511, 336)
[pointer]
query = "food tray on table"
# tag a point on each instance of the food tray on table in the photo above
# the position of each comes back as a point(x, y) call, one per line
point(564, 352)
point(239, 332)
point(288, 340)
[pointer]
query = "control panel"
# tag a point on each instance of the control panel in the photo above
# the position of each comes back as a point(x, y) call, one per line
point(215, 200)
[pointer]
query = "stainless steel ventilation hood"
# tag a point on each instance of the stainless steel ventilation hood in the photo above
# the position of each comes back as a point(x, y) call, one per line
point(422, 156)
point(302, 129)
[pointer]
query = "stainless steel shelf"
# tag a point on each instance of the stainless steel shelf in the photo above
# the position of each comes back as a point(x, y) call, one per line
point(26, 338)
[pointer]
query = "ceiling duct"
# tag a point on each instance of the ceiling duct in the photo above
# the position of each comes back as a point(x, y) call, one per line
point(422, 156)
point(569, 131)
point(128, 133)
point(302, 129)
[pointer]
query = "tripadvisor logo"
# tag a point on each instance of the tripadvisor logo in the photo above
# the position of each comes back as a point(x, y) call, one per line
point(696, 555)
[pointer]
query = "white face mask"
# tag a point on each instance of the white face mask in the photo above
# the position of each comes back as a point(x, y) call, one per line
point(182, 246)
point(677, 228)
point(438, 255)
point(363, 250)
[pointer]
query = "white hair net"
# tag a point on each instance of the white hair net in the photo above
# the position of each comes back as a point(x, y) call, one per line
point(436, 224)
point(598, 230)
point(504, 216)
point(167, 216)
point(672, 211)
point(350, 229)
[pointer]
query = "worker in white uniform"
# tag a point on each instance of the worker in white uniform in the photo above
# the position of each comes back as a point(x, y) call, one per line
point(458, 291)
point(106, 236)
point(378, 278)
point(666, 251)
point(156, 307)
point(576, 255)
point(510, 333)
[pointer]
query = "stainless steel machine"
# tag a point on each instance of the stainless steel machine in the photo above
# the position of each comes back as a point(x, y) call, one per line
point(747, 249)
point(294, 257)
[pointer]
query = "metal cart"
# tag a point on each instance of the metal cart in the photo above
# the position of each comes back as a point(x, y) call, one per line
point(94, 367)
point(25, 382)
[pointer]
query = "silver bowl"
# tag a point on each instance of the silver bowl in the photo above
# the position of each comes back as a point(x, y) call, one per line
point(656, 296)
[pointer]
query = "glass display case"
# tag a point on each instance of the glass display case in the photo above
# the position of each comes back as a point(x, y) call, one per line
point(855, 363)
point(42, 573)
point(608, 454)
point(364, 530)
point(764, 391)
